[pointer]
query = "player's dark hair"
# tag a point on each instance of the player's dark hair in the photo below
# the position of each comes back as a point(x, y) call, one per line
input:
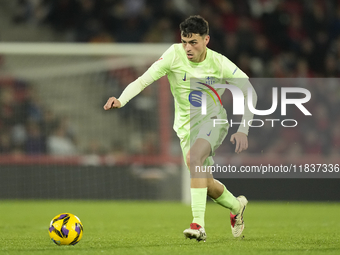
point(194, 25)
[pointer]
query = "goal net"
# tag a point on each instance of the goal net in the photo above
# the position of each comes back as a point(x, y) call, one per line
point(56, 140)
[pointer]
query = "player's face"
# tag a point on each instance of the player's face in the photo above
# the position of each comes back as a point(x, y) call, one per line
point(195, 47)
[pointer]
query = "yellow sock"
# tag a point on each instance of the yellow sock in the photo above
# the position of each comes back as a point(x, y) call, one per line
point(228, 200)
point(198, 204)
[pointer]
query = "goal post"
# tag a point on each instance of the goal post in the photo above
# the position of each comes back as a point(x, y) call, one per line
point(86, 49)
point(56, 141)
point(72, 81)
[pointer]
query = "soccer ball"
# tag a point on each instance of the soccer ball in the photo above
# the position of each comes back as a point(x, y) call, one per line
point(66, 229)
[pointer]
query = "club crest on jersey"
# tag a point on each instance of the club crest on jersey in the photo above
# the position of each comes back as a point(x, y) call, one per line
point(210, 80)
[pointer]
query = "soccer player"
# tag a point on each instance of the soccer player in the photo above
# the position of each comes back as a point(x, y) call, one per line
point(191, 68)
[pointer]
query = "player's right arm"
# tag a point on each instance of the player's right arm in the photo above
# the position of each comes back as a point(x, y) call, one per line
point(132, 90)
point(158, 69)
point(111, 103)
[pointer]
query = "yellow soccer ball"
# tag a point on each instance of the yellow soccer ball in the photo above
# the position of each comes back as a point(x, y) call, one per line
point(66, 229)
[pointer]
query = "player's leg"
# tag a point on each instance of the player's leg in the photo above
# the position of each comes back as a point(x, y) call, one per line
point(219, 193)
point(216, 190)
point(195, 159)
point(208, 139)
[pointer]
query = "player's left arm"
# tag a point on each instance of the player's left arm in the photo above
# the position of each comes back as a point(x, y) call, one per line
point(241, 141)
point(238, 78)
point(240, 137)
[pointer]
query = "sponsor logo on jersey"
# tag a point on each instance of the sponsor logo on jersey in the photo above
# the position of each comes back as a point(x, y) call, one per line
point(195, 96)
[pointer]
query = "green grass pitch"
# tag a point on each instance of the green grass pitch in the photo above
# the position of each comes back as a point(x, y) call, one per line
point(112, 227)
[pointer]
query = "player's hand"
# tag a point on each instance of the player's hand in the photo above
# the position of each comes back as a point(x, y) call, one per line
point(241, 141)
point(111, 103)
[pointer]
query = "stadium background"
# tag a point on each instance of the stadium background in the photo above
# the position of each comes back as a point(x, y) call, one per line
point(56, 142)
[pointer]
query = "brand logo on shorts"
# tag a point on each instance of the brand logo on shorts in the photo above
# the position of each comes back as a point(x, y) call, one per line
point(209, 133)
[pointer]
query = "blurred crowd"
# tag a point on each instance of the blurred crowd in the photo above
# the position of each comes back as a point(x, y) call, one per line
point(265, 38)
point(281, 38)
point(27, 127)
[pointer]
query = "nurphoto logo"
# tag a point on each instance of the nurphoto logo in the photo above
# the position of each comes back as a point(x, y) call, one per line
point(238, 105)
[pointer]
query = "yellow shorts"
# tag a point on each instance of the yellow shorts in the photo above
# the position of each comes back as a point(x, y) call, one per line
point(206, 130)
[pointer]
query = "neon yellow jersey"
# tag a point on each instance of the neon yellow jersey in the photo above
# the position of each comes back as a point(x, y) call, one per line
point(188, 80)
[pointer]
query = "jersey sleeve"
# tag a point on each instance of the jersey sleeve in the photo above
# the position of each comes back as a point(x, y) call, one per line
point(156, 71)
point(163, 65)
point(235, 76)
point(135, 87)
point(247, 90)
point(231, 72)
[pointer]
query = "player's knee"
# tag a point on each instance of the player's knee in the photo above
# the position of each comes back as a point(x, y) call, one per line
point(193, 160)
